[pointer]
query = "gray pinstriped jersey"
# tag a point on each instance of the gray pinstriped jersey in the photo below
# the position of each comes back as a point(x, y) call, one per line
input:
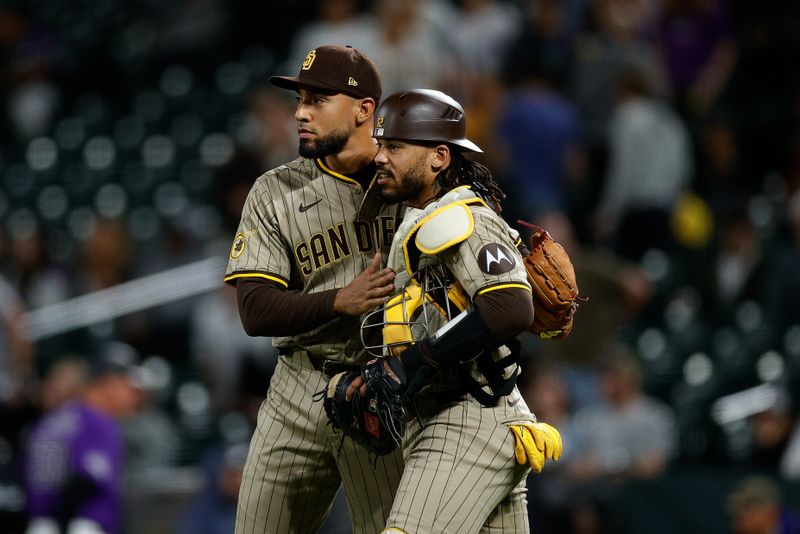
point(300, 228)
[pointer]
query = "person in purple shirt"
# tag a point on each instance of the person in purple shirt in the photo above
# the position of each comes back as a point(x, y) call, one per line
point(74, 458)
point(699, 51)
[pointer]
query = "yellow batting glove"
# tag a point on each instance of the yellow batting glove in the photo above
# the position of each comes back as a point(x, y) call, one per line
point(536, 442)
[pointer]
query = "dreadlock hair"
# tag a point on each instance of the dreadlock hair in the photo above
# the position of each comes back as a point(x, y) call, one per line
point(464, 171)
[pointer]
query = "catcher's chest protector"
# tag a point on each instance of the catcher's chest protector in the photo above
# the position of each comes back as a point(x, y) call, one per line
point(422, 236)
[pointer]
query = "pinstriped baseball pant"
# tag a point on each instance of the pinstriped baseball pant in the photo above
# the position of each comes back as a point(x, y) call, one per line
point(294, 464)
point(461, 475)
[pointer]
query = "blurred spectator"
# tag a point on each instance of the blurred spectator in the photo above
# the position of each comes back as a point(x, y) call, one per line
point(229, 360)
point(106, 254)
point(105, 261)
point(549, 492)
point(274, 139)
point(614, 44)
point(543, 41)
point(74, 461)
point(770, 431)
point(214, 510)
point(337, 22)
point(617, 292)
point(152, 440)
point(192, 29)
point(721, 178)
point(538, 136)
point(698, 50)
point(756, 507)
point(483, 35)
point(39, 280)
point(232, 182)
point(481, 38)
point(16, 347)
point(783, 281)
point(407, 47)
point(164, 329)
point(17, 410)
point(631, 436)
point(63, 382)
point(761, 96)
point(650, 167)
point(31, 98)
point(738, 267)
point(790, 461)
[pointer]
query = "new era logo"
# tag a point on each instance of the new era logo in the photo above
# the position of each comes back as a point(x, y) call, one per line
point(352, 81)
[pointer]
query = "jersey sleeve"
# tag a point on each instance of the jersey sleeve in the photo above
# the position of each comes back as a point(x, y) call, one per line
point(258, 249)
point(488, 258)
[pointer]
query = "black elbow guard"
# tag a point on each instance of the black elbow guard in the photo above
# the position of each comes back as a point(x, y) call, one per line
point(463, 339)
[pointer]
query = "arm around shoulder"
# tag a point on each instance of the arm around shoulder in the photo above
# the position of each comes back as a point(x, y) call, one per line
point(267, 309)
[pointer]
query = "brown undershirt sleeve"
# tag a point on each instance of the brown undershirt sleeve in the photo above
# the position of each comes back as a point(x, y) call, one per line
point(267, 309)
point(506, 312)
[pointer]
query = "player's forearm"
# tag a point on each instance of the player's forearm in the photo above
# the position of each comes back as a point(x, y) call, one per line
point(269, 310)
point(506, 312)
point(498, 316)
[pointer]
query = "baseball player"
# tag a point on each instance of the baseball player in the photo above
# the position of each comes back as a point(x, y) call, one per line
point(74, 459)
point(306, 262)
point(462, 295)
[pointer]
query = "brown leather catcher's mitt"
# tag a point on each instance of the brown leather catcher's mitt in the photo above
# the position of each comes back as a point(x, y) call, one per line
point(555, 290)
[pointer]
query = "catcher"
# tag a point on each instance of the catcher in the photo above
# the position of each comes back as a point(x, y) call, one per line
point(443, 380)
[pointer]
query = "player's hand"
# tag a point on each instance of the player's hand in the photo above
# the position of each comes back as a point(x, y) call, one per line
point(534, 443)
point(357, 384)
point(367, 290)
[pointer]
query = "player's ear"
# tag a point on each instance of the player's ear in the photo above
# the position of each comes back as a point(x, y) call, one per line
point(365, 107)
point(440, 157)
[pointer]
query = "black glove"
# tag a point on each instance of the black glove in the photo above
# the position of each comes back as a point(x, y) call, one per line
point(375, 419)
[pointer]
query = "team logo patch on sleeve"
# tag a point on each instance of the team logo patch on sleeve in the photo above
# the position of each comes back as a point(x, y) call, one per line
point(238, 246)
point(494, 258)
point(239, 242)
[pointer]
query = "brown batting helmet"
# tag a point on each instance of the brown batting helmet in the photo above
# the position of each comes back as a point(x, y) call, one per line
point(423, 115)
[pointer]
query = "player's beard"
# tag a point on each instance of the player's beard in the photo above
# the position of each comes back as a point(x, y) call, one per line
point(409, 186)
point(327, 145)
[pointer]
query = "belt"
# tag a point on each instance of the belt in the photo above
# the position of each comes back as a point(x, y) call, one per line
point(326, 367)
point(428, 404)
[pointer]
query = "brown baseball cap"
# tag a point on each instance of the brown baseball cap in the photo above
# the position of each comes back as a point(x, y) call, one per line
point(342, 69)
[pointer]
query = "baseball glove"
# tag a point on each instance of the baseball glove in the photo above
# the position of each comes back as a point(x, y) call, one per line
point(555, 290)
point(373, 419)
